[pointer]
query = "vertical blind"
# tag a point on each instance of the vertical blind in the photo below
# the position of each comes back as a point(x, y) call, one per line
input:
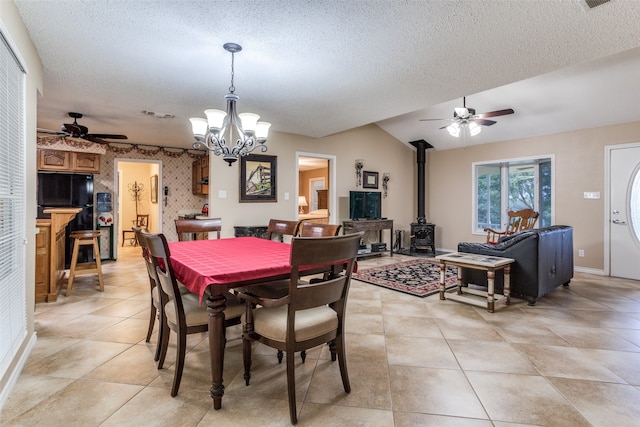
point(13, 316)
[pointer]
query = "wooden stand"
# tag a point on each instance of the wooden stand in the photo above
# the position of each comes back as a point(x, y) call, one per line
point(370, 225)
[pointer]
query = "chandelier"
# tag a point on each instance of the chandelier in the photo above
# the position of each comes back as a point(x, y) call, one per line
point(220, 126)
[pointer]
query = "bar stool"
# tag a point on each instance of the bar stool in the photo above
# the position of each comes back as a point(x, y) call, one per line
point(85, 237)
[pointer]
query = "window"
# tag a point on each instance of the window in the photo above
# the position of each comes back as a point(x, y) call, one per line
point(13, 316)
point(511, 185)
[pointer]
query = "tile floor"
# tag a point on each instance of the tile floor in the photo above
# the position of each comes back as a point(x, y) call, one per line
point(571, 360)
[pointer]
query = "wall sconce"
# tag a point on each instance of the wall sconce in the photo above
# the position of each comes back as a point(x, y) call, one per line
point(359, 166)
point(385, 180)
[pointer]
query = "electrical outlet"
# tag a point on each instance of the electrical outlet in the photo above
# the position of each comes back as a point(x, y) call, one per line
point(580, 252)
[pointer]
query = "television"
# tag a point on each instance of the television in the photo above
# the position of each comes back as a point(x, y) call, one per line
point(365, 205)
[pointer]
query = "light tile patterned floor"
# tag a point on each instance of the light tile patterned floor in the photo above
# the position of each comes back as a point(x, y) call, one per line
point(572, 360)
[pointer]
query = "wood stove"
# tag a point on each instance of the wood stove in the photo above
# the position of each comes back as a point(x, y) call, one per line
point(422, 233)
point(423, 237)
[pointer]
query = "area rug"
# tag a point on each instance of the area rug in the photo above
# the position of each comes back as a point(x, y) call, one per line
point(419, 277)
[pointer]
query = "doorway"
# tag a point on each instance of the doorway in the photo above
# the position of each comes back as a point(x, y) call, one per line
point(136, 183)
point(623, 210)
point(324, 174)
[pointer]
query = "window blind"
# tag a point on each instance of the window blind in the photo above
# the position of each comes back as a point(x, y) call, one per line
point(13, 315)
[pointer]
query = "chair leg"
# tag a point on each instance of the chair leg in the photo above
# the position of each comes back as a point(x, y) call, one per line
point(72, 270)
point(303, 355)
point(96, 251)
point(177, 376)
point(342, 362)
point(162, 335)
point(280, 355)
point(291, 387)
point(163, 341)
point(332, 349)
point(152, 321)
point(246, 357)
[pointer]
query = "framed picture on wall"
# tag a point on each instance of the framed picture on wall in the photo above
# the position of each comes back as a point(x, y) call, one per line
point(154, 189)
point(258, 178)
point(369, 179)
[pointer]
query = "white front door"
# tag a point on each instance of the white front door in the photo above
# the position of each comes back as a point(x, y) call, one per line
point(624, 215)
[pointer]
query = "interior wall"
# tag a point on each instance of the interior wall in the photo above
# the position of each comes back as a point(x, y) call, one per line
point(579, 168)
point(13, 29)
point(380, 151)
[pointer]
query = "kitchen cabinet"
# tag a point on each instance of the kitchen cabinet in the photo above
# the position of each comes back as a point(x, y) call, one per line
point(68, 161)
point(200, 174)
point(43, 248)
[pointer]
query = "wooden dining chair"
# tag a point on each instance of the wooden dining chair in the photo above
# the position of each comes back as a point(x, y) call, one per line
point(524, 219)
point(311, 314)
point(282, 227)
point(193, 226)
point(184, 314)
point(157, 310)
point(312, 229)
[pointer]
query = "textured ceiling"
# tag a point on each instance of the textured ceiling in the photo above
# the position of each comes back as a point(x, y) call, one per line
point(321, 67)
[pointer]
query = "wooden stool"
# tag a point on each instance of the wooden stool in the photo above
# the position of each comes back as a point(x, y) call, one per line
point(85, 237)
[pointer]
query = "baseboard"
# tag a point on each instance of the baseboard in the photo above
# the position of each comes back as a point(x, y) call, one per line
point(589, 271)
point(15, 374)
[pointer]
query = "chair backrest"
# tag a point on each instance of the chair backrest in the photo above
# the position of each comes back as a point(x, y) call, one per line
point(145, 253)
point(340, 251)
point(184, 226)
point(282, 227)
point(524, 219)
point(142, 221)
point(165, 277)
point(312, 229)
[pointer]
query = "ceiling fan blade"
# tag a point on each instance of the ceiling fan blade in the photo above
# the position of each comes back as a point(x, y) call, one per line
point(483, 122)
point(430, 120)
point(106, 135)
point(496, 113)
point(52, 132)
point(94, 139)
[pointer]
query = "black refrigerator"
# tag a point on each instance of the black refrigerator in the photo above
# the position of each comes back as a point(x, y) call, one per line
point(68, 190)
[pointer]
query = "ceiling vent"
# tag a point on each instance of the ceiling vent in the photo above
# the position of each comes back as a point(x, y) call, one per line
point(593, 3)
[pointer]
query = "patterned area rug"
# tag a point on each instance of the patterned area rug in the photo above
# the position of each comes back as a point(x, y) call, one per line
point(419, 277)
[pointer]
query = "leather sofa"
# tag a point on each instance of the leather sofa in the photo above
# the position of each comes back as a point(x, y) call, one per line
point(543, 261)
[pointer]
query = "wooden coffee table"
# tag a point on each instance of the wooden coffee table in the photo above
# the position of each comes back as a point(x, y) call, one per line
point(478, 262)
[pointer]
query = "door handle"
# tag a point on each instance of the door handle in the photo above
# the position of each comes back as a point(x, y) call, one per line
point(617, 221)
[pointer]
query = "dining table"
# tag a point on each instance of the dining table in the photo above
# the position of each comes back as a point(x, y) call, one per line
point(210, 268)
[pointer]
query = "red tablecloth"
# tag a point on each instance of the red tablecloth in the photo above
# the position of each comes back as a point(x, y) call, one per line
point(200, 263)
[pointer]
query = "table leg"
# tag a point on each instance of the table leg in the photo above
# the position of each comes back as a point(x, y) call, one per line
point(216, 305)
point(507, 284)
point(491, 275)
point(459, 280)
point(443, 267)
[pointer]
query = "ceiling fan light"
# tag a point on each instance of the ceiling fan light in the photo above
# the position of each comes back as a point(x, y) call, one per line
point(474, 129)
point(215, 118)
point(249, 121)
point(262, 131)
point(198, 126)
point(454, 129)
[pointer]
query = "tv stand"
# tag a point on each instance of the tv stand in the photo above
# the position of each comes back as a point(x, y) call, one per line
point(378, 225)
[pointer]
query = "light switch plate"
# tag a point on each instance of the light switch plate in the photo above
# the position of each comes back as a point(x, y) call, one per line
point(591, 194)
point(222, 194)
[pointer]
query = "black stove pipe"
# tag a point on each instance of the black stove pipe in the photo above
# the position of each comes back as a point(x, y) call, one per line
point(421, 149)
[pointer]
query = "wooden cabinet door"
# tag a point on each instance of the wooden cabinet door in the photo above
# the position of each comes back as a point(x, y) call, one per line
point(54, 160)
point(196, 177)
point(204, 173)
point(42, 263)
point(85, 162)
